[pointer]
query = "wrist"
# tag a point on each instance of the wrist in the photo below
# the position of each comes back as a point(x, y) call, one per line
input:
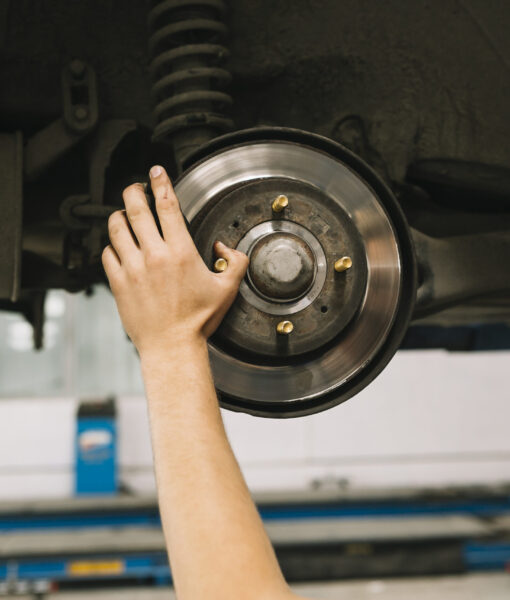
point(176, 349)
point(171, 372)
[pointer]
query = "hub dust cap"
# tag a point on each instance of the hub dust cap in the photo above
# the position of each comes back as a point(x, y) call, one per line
point(282, 266)
point(324, 284)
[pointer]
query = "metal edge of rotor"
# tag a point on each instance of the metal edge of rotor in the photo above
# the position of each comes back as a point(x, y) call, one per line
point(409, 266)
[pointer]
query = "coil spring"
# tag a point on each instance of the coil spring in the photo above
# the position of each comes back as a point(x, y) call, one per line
point(187, 78)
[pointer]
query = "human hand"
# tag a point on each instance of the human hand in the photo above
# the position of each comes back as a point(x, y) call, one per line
point(165, 293)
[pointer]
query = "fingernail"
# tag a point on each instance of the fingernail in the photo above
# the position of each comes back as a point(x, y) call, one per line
point(156, 171)
point(220, 244)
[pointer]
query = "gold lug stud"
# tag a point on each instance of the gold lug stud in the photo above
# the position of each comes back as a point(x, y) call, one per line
point(342, 264)
point(220, 265)
point(280, 203)
point(285, 327)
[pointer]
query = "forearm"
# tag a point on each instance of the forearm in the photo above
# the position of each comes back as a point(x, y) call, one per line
point(169, 302)
point(216, 541)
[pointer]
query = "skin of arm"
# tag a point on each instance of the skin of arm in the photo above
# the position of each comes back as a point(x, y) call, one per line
point(170, 303)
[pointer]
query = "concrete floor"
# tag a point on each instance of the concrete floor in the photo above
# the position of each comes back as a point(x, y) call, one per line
point(466, 587)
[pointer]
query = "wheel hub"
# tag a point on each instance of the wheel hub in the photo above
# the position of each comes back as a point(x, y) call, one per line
point(282, 267)
point(289, 271)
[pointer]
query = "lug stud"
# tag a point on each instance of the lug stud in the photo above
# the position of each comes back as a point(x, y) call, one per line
point(220, 265)
point(285, 327)
point(280, 203)
point(342, 264)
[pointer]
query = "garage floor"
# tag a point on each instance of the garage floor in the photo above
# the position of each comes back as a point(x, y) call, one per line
point(467, 587)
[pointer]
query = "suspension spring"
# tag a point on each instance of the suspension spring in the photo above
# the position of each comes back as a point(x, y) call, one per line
point(188, 80)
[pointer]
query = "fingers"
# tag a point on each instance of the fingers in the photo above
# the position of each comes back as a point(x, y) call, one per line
point(170, 216)
point(111, 264)
point(120, 236)
point(140, 217)
point(237, 262)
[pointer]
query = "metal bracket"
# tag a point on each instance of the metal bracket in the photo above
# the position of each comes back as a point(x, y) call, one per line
point(460, 268)
point(67, 209)
point(79, 90)
point(80, 108)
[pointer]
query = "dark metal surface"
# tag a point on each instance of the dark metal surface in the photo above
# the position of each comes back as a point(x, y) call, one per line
point(314, 73)
point(463, 255)
point(11, 204)
point(80, 103)
point(47, 146)
point(462, 184)
point(80, 115)
point(460, 268)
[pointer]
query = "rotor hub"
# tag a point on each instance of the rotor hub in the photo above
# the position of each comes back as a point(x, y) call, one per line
point(282, 266)
point(289, 272)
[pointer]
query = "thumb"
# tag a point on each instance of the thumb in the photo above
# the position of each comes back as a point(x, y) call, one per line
point(237, 262)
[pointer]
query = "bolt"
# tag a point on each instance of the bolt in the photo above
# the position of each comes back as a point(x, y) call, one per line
point(77, 68)
point(342, 264)
point(220, 265)
point(81, 113)
point(280, 203)
point(285, 327)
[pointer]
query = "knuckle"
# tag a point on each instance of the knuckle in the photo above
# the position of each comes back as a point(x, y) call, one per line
point(106, 253)
point(114, 220)
point(156, 257)
point(134, 270)
point(134, 188)
point(167, 201)
point(243, 259)
point(114, 230)
point(116, 282)
point(134, 198)
point(180, 259)
point(135, 212)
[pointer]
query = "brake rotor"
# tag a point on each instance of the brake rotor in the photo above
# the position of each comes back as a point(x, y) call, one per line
point(330, 287)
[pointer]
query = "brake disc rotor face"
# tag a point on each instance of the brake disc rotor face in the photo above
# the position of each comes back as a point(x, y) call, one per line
point(339, 320)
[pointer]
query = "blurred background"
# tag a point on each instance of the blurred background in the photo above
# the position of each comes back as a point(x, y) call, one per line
point(410, 478)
